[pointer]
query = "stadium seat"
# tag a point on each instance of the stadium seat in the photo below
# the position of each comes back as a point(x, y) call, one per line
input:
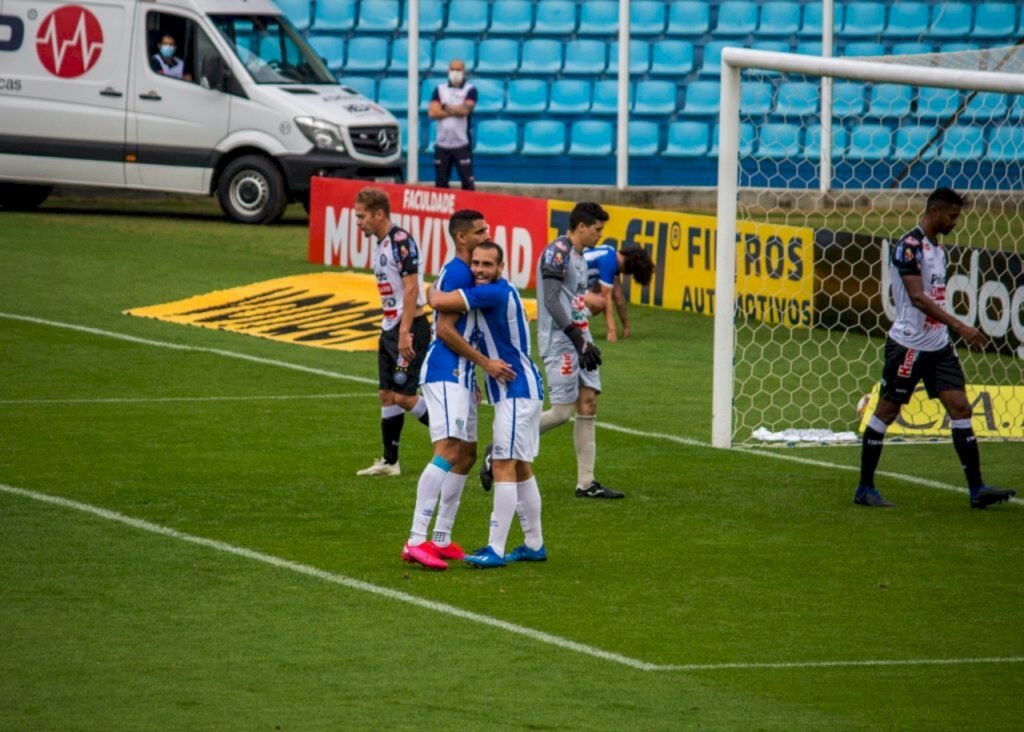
point(427, 87)
point(746, 140)
point(655, 97)
point(755, 98)
point(779, 141)
point(711, 63)
point(335, 16)
point(431, 15)
point(591, 138)
point(403, 133)
point(297, 11)
point(393, 94)
point(672, 58)
point(365, 85)
point(911, 140)
point(585, 56)
point(527, 96)
point(400, 54)
point(797, 98)
point(911, 48)
point(907, 20)
point(985, 106)
point(687, 139)
point(889, 100)
point(702, 98)
point(331, 49)
point(380, 16)
point(933, 103)
point(543, 137)
point(773, 45)
point(863, 48)
point(606, 97)
point(498, 56)
point(1006, 144)
point(812, 142)
point(570, 96)
point(451, 48)
point(428, 136)
point(512, 17)
point(367, 53)
point(951, 20)
point(958, 47)
point(555, 18)
point(496, 137)
point(468, 17)
point(1016, 108)
point(599, 18)
point(870, 142)
point(780, 18)
point(639, 57)
point(811, 27)
point(688, 18)
point(961, 143)
point(995, 20)
point(809, 48)
point(736, 18)
point(847, 99)
point(541, 56)
point(490, 95)
point(646, 17)
point(863, 19)
point(643, 138)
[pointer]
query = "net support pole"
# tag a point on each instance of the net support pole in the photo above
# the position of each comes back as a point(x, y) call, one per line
point(827, 41)
point(725, 257)
point(413, 123)
point(622, 130)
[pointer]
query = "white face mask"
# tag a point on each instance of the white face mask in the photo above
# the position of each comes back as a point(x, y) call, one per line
point(455, 77)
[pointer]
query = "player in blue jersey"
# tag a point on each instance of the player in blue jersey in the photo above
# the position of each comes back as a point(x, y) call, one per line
point(449, 388)
point(504, 333)
point(604, 285)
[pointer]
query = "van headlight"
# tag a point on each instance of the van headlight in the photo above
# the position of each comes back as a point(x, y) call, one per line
point(323, 134)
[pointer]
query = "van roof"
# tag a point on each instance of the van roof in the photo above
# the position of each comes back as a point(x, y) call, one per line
point(219, 7)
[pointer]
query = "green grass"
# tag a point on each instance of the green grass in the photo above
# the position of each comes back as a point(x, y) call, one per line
point(714, 557)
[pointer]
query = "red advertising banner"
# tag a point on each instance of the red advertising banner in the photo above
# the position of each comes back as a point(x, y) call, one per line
point(519, 225)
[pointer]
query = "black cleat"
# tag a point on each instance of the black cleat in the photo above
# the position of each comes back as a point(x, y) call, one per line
point(596, 490)
point(988, 496)
point(486, 471)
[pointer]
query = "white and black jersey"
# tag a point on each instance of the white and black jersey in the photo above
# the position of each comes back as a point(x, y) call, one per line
point(396, 256)
point(915, 254)
point(454, 132)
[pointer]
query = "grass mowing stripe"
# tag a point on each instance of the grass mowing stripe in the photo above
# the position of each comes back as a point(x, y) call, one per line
point(148, 400)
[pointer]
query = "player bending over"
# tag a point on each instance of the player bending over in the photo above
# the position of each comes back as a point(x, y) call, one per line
point(604, 265)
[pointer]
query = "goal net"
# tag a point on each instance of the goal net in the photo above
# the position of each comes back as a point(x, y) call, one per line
point(792, 372)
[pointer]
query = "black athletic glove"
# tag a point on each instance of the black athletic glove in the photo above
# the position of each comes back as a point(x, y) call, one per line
point(590, 356)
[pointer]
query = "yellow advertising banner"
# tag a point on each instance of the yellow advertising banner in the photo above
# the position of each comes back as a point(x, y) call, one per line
point(997, 413)
point(774, 263)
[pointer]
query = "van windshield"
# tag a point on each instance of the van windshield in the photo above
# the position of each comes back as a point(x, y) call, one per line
point(272, 50)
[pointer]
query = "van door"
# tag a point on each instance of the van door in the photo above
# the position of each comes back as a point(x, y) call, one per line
point(64, 92)
point(175, 121)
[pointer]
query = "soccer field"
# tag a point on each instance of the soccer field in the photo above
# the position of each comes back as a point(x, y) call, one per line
point(185, 545)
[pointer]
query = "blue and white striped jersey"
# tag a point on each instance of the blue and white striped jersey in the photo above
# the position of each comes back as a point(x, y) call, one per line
point(442, 363)
point(602, 265)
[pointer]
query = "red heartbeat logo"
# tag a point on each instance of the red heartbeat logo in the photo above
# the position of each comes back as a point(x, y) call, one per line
point(69, 41)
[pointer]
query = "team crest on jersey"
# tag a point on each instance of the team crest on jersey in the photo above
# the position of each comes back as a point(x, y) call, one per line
point(383, 260)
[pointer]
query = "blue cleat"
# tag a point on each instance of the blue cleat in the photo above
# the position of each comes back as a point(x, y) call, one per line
point(485, 558)
point(523, 553)
point(987, 496)
point(870, 497)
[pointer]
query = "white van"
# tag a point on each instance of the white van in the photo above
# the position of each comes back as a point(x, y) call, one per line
point(215, 97)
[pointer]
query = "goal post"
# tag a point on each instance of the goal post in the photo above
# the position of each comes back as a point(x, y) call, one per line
point(873, 204)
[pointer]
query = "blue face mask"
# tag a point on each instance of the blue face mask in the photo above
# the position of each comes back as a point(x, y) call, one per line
point(167, 51)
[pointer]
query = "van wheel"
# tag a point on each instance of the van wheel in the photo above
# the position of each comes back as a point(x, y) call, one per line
point(15, 197)
point(251, 190)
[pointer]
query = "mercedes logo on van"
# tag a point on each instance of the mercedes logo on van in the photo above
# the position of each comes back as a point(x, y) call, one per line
point(69, 41)
point(384, 140)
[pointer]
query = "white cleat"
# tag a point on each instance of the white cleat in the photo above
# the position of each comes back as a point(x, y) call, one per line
point(381, 468)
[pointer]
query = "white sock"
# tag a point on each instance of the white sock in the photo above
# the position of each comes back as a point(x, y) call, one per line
point(451, 495)
point(558, 414)
point(427, 491)
point(419, 409)
point(501, 517)
point(586, 449)
point(528, 508)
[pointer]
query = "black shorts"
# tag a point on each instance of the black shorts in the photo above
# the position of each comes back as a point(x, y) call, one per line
point(394, 372)
point(904, 367)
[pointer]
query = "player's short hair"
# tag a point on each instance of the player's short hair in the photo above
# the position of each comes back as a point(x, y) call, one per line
point(495, 246)
point(374, 199)
point(587, 213)
point(637, 262)
point(945, 196)
point(462, 220)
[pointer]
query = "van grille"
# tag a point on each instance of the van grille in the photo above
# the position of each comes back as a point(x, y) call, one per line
point(379, 141)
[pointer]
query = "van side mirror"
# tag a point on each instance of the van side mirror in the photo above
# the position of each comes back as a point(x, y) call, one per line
point(215, 73)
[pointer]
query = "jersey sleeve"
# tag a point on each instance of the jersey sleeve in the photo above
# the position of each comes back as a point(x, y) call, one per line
point(453, 279)
point(485, 297)
point(407, 254)
point(608, 268)
point(436, 96)
point(906, 256)
point(471, 94)
point(555, 260)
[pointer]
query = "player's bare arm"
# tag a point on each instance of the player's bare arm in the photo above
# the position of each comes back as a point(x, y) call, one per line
point(973, 337)
point(410, 292)
point(620, 305)
point(609, 318)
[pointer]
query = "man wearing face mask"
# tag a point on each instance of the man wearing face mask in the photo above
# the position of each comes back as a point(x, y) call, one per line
point(452, 106)
point(166, 63)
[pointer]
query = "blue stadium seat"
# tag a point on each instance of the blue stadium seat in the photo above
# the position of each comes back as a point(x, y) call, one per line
point(380, 16)
point(809, 48)
point(863, 48)
point(490, 95)
point(365, 85)
point(639, 57)
point(811, 27)
point(367, 53)
point(331, 49)
point(655, 97)
point(911, 140)
point(797, 98)
point(911, 48)
point(773, 45)
point(431, 15)
point(755, 97)
point(335, 16)
point(687, 139)
point(995, 20)
point(958, 47)
point(702, 98)
point(870, 142)
point(403, 133)
point(591, 138)
point(297, 11)
point(496, 137)
point(427, 87)
point(961, 143)
point(543, 137)
point(746, 140)
point(711, 63)
point(606, 97)
point(907, 20)
point(527, 96)
point(585, 56)
point(393, 94)
point(400, 54)
point(513, 17)
point(450, 48)
point(985, 106)
point(847, 99)
point(672, 58)
point(428, 136)
point(599, 18)
point(1006, 144)
point(779, 141)
point(570, 96)
point(643, 138)
point(646, 17)
point(498, 56)
point(688, 18)
point(736, 18)
point(780, 18)
point(890, 100)
point(1017, 108)
point(951, 20)
point(467, 17)
point(933, 103)
point(812, 142)
point(863, 19)
point(541, 56)
point(555, 18)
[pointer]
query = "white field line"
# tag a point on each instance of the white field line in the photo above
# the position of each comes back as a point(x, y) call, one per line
point(148, 400)
point(445, 609)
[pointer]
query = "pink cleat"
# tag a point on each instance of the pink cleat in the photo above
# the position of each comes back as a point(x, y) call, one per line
point(452, 551)
point(423, 556)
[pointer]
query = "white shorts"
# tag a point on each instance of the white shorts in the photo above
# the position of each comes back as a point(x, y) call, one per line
point(452, 411)
point(517, 429)
point(565, 377)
